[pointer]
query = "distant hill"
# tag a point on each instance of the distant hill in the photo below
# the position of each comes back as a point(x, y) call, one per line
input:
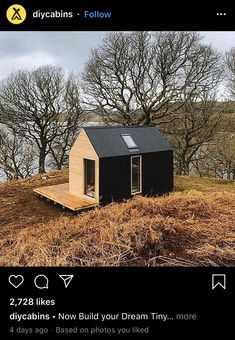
point(193, 226)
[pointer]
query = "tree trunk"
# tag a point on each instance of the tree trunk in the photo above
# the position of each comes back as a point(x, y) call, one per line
point(229, 172)
point(42, 158)
point(59, 166)
point(233, 172)
point(186, 169)
point(184, 165)
point(147, 120)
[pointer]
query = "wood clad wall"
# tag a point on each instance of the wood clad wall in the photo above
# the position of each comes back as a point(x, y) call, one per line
point(82, 148)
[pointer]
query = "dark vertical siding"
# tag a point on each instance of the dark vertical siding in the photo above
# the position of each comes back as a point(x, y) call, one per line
point(157, 170)
point(115, 176)
point(114, 181)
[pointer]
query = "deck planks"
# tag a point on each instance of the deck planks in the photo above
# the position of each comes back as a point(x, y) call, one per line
point(60, 194)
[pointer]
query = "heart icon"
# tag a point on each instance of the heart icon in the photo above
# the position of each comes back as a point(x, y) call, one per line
point(16, 280)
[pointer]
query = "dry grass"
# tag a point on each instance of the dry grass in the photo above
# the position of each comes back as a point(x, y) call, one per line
point(204, 184)
point(187, 228)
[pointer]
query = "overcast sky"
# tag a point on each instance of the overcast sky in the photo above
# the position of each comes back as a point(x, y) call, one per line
point(67, 49)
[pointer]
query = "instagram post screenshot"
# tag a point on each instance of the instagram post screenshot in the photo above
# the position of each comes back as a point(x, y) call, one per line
point(117, 169)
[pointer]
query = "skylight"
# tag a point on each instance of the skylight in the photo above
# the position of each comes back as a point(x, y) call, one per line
point(128, 141)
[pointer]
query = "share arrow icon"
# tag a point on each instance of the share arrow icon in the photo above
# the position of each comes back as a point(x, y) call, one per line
point(67, 279)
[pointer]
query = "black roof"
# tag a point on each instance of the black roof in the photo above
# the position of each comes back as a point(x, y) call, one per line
point(108, 142)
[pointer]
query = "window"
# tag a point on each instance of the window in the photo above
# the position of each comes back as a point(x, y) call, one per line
point(89, 167)
point(136, 175)
point(128, 141)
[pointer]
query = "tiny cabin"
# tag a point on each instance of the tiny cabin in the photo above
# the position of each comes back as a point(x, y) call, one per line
point(109, 164)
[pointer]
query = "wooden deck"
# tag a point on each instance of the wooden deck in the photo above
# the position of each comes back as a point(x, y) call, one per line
point(60, 194)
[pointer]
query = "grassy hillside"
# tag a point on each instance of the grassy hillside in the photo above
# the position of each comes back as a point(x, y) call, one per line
point(193, 226)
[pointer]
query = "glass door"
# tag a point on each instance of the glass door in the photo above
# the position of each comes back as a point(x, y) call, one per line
point(136, 181)
point(89, 166)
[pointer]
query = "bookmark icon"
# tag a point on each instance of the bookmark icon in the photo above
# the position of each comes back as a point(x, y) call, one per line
point(219, 280)
point(67, 279)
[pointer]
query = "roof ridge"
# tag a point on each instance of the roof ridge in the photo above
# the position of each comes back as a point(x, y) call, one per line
point(118, 126)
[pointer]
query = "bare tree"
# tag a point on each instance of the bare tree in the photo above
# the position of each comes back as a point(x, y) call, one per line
point(69, 128)
point(145, 78)
point(60, 147)
point(217, 159)
point(197, 124)
point(40, 105)
point(17, 157)
point(230, 63)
